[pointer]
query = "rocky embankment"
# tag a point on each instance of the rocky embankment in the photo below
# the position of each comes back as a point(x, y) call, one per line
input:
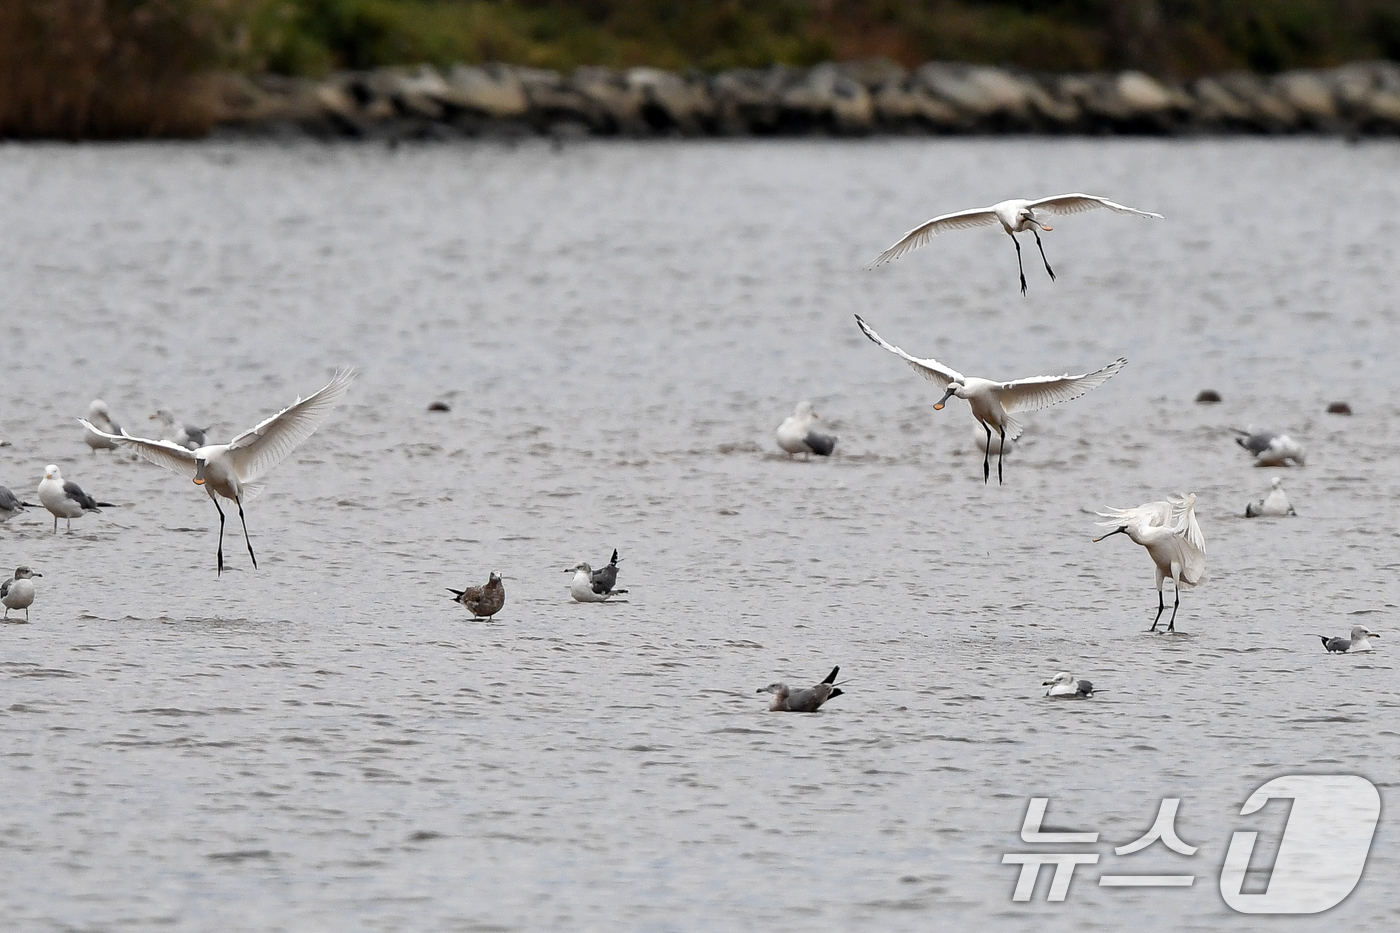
point(845, 100)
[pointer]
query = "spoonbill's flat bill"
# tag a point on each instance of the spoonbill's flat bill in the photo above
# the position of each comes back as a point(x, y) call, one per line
point(993, 402)
point(235, 470)
point(1015, 216)
point(1173, 539)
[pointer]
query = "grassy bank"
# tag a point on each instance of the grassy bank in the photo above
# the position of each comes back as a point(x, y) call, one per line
point(122, 68)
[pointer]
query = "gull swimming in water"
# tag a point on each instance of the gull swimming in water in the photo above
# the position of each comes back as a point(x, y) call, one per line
point(65, 499)
point(1015, 216)
point(595, 586)
point(993, 402)
point(1360, 640)
point(1173, 539)
point(235, 470)
point(1066, 685)
point(1270, 449)
point(1274, 504)
point(186, 435)
point(98, 415)
point(18, 593)
point(805, 700)
point(483, 601)
point(10, 505)
point(795, 434)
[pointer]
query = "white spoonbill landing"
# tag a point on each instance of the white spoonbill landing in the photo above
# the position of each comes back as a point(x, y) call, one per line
point(234, 470)
point(1173, 540)
point(1016, 216)
point(993, 402)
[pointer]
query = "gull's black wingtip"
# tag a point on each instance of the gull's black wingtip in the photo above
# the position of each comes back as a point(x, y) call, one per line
point(831, 678)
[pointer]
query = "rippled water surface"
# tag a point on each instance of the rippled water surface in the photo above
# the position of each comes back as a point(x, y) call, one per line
point(330, 743)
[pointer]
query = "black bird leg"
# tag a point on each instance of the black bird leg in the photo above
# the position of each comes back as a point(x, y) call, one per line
point(245, 533)
point(987, 457)
point(1000, 453)
point(1019, 267)
point(1042, 254)
point(1171, 626)
point(221, 536)
point(1160, 607)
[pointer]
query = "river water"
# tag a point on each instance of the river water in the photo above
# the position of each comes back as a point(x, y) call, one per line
point(330, 743)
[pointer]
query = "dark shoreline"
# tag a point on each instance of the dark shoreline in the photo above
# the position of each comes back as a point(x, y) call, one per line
point(855, 99)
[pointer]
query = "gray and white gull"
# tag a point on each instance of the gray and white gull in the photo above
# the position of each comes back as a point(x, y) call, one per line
point(11, 505)
point(595, 586)
point(64, 498)
point(1066, 685)
point(1360, 640)
point(1275, 504)
point(804, 700)
point(796, 435)
point(18, 592)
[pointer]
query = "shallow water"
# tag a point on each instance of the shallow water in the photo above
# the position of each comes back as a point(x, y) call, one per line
point(329, 743)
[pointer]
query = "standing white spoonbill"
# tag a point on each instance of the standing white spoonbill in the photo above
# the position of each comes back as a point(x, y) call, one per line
point(234, 470)
point(1173, 540)
point(18, 593)
point(65, 499)
point(993, 402)
point(1016, 216)
point(795, 434)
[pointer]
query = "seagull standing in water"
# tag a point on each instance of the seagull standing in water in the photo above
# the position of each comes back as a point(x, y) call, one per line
point(10, 505)
point(99, 415)
point(18, 593)
point(795, 434)
point(483, 601)
point(235, 470)
point(1360, 640)
point(65, 499)
point(805, 700)
point(1274, 504)
point(1015, 216)
point(595, 586)
point(1173, 540)
point(186, 435)
point(1067, 685)
point(993, 402)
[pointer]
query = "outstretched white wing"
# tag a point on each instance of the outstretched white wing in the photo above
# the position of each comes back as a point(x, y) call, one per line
point(1043, 391)
point(1078, 203)
point(920, 235)
point(259, 449)
point(1183, 522)
point(171, 456)
point(1149, 513)
point(932, 370)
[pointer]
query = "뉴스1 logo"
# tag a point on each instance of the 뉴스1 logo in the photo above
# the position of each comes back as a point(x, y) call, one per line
point(1320, 857)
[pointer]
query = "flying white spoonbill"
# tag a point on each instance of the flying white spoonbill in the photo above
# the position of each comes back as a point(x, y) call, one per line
point(1016, 216)
point(234, 470)
point(1173, 540)
point(993, 402)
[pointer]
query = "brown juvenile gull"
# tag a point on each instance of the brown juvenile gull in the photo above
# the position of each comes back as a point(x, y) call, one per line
point(806, 700)
point(18, 593)
point(795, 434)
point(483, 601)
point(1067, 685)
point(235, 470)
point(1016, 215)
point(594, 586)
point(1359, 640)
point(65, 499)
point(10, 505)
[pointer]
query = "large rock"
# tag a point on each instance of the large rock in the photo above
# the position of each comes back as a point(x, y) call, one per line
point(746, 99)
point(824, 98)
point(495, 92)
point(617, 105)
point(986, 98)
point(1368, 95)
point(1309, 94)
point(1127, 102)
point(671, 103)
point(1269, 112)
point(900, 107)
point(414, 92)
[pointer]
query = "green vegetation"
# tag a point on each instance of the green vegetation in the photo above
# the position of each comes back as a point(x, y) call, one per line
point(81, 68)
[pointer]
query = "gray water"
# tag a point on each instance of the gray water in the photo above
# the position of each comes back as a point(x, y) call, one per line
point(329, 743)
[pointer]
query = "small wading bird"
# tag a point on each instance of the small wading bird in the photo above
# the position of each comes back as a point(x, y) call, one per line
point(66, 499)
point(234, 470)
point(1360, 640)
point(1015, 216)
point(795, 434)
point(483, 601)
point(594, 586)
point(806, 700)
point(1066, 685)
point(18, 593)
point(1173, 540)
point(993, 402)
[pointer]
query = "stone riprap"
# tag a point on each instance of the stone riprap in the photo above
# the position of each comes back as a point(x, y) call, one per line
point(851, 99)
